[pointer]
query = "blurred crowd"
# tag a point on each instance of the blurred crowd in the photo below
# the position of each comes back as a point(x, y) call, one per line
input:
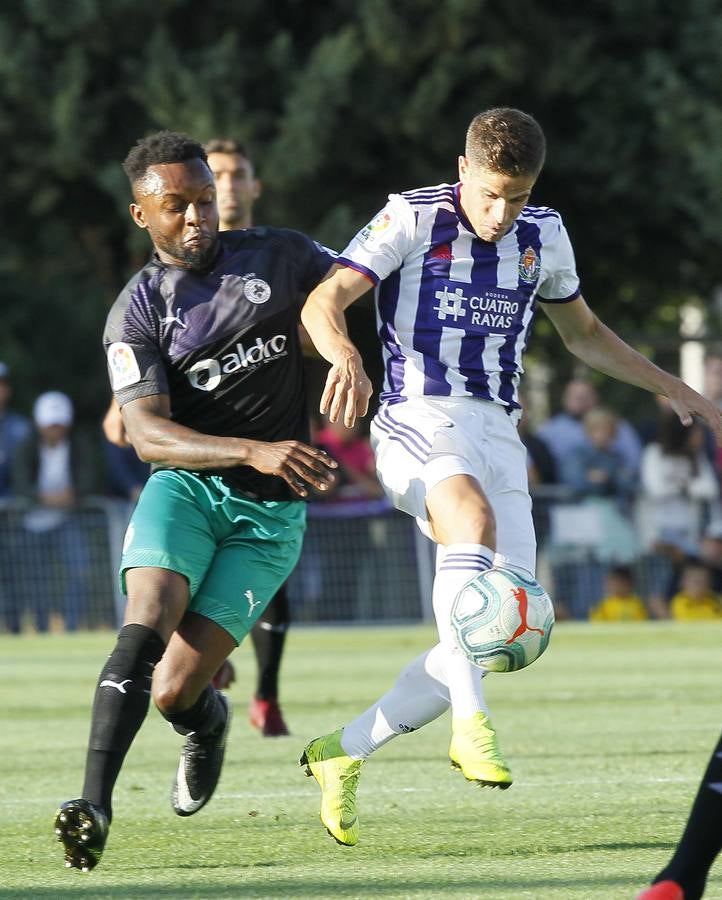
point(629, 516)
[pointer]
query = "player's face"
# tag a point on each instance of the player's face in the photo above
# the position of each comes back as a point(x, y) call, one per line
point(176, 202)
point(237, 189)
point(492, 201)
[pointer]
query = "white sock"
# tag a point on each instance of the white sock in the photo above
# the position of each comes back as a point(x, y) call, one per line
point(455, 565)
point(419, 696)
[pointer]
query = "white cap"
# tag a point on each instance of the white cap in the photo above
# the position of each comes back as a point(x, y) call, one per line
point(53, 408)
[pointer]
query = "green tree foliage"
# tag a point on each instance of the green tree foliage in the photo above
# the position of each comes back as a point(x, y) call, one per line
point(342, 103)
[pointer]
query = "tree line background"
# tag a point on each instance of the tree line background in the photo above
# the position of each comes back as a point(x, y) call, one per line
point(341, 103)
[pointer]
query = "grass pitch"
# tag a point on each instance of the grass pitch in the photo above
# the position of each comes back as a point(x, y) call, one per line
point(607, 735)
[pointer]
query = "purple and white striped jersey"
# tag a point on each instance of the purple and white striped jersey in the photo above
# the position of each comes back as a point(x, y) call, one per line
point(453, 311)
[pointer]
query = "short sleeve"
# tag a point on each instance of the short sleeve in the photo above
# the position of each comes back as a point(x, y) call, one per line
point(562, 282)
point(380, 247)
point(312, 261)
point(135, 364)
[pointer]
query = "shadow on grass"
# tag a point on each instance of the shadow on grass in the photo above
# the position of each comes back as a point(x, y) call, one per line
point(350, 887)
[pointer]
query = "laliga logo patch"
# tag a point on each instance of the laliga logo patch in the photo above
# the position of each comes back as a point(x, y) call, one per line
point(123, 365)
point(529, 266)
point(376, 228)
point(256, 289)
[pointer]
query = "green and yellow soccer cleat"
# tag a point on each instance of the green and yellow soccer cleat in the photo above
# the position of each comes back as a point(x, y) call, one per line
point(475, 750)
point(337, 776)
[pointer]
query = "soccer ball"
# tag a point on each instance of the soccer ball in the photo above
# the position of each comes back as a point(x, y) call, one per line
point(502, 620)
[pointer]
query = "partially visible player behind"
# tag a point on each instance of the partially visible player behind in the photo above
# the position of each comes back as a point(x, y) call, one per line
point(459, 270)
point(237, 189)
point(685, 875)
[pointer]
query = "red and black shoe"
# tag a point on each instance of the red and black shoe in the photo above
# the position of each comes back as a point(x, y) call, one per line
point(662, 890)
point(266, 716)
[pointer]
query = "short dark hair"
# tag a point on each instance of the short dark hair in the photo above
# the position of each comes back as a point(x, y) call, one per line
point(624, 572)
point(507, 141)
point(227, 145)
point(158, 149)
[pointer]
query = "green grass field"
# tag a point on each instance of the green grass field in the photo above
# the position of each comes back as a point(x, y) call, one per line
point(607, 736)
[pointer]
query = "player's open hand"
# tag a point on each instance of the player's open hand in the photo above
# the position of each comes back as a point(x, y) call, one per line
point(347, 391)
point(686, 402)
point(298, 464)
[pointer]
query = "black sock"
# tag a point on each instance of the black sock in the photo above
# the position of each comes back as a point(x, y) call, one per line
point(207, 715)
point(120, 706)
point(269, 636)
point(702, 839)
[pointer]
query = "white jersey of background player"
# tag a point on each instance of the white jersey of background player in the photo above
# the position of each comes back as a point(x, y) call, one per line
point(458, 270)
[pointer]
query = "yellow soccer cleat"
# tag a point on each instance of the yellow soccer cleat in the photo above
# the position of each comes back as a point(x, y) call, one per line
point(475, 750)
point(337, 776)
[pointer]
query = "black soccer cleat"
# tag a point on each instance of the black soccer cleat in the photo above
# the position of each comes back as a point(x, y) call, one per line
point(83, 829)
point(199, 769)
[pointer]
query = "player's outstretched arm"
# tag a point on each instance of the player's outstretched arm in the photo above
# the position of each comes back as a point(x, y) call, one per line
point(588, 338)
point(159, 440)
point(348, 388)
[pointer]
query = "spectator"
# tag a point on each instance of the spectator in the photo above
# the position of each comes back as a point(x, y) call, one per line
point(709, 553)
point(676, 479)
point(53, 469)
point(540, 464)
point(596, 468)
point(620, 602)
point(356, 475)
point(565, 430)
point(601, 479)
point(125, 473)
point(713, 392)
point(713, 378)
point(648, 427)
point(14, 429)
point(696, 600)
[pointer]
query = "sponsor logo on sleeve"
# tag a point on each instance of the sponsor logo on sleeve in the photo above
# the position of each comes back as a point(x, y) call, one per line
point(376, 228)
point(123, 365)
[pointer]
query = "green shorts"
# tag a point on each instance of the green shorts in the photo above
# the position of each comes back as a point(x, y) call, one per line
point(235, 552)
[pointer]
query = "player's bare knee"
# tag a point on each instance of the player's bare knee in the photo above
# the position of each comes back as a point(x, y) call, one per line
point(171, 694)
point(156, 600)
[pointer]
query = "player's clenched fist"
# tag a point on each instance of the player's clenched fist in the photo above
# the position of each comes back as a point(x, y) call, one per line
point(298, 464)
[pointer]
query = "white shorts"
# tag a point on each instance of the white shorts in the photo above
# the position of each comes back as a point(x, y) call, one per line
point(424, 440)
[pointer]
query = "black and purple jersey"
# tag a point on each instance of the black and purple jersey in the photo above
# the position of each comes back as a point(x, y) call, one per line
point(223, 343)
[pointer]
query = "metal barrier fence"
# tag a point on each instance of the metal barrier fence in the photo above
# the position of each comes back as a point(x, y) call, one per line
point(56, 566)
point(58, 570)
point(361, 562)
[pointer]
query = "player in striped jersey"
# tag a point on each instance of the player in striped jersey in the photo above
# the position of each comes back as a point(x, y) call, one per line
point(458, 272)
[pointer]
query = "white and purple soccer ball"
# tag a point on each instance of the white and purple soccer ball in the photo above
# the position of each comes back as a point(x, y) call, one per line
point(502, 620)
